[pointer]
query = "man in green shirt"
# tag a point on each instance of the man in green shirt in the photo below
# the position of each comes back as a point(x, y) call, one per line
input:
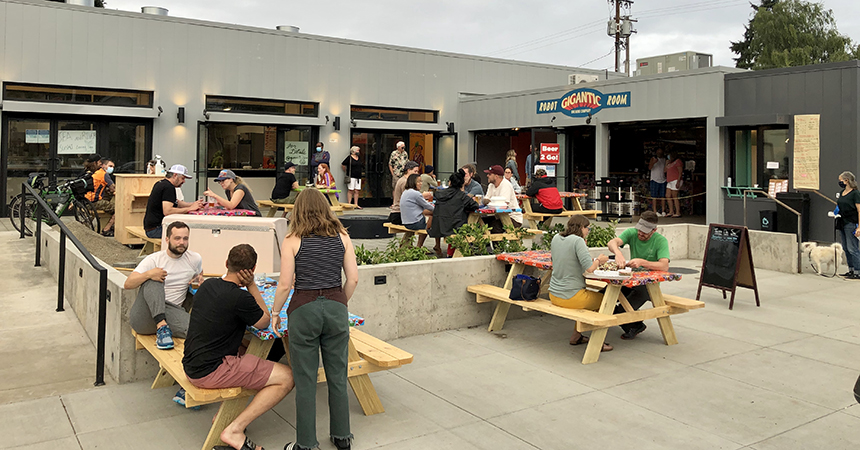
point(648, 249)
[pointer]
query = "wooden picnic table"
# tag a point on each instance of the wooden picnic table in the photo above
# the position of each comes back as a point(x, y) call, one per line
point(537, 218)
point(664, 305)
point(503, 214)
point(218, 211)
point(335, 203)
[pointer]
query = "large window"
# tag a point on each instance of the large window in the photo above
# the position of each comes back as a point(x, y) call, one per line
point(393, 114)
point(257, 150)
point(759, 155)
point(69, 94)
point(216, 103)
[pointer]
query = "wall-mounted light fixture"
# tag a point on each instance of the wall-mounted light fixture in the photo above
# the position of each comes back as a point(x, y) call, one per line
point(180, 115)
point(206, 114)
point(588, 119)
point(450, 126)
point(552, 120)
point(326, 120)
point(336, 123)
point(352, 122)
point(160, 111)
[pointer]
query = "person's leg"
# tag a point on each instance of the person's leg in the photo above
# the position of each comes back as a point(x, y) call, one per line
point(661, 191)
point(177, 320)
point(851, 246)
point(848, 259)
point(148, 311)
point(305, 326)
point(637, 297)
point(675, 194)
point(154, 233)
point(334, 344)
point(279, 384)
point(424, 226)
point(653, 191)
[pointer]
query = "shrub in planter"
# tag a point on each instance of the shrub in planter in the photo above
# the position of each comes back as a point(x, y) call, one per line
point(600, 236)
point(470, 239)
point(393, 253)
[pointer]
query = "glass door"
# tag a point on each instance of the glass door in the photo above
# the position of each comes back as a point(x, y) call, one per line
point(76, 140)
point(376, 147)
point(27, 145)
point(446, 160)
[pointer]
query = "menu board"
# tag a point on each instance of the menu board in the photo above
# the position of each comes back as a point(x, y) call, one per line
point(806, 151)
point(296, 152)
point(73, 142)
point(776, 186)
point(728, 262)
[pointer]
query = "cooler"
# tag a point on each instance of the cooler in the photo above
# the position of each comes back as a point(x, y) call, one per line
point(214, 236)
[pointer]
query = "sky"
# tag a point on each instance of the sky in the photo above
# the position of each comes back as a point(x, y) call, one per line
point(570, 32)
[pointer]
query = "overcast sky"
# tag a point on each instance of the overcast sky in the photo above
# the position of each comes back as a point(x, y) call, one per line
point(565, 32)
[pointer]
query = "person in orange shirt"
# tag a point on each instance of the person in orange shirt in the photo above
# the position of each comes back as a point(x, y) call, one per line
point(102, 195)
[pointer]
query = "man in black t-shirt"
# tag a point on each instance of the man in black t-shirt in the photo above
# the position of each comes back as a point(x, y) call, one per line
point(222, 310)
point(286, 185)
point(162, 201)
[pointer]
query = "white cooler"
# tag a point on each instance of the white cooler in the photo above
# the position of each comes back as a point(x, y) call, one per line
point(214, 236)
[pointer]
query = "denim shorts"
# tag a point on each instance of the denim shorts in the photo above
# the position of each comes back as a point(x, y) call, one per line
point(658, 190)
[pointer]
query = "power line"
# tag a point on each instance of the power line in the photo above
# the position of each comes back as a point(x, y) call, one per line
point(597, 59)
point(551, 36)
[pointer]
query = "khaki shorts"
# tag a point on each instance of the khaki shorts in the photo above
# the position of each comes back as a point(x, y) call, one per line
point(105, 205)
point(583, 299)
point(247, 371)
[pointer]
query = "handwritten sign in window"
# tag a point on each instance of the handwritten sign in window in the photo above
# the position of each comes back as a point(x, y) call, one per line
point(806, 151)
point(296, 152)
point(76, 142)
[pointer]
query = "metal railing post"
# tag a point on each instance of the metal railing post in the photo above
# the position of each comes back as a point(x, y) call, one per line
point(38, 234)
point(61, 272)
point(21, 208)
point(100, 344)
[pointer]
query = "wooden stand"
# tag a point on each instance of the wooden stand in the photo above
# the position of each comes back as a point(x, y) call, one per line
point(132, 193)
point(728, 252)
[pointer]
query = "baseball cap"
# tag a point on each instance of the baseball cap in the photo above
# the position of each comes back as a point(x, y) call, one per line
point(540, 173)
point(428, 168)
point(226, 173)
point(289, 164)
point(645, 226)
point(495, 170)
point(180, 169)
point(410, 165)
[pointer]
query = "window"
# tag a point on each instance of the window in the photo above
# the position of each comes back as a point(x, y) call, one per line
point(68, 94)
point(216, 103)
point(393, 114)
point(758, 155)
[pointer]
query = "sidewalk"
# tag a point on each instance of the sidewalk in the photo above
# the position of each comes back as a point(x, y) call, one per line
point(774, 377)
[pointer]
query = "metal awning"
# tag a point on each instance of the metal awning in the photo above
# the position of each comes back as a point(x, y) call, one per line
point(754, 120)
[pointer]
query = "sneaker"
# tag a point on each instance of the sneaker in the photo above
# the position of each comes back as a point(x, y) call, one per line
point(660, 214)
point(846, 274)
point(631, 333)
point(179, 399)
point(341, 444)
point(294, 446)
point(853, 276)
point(164, 338)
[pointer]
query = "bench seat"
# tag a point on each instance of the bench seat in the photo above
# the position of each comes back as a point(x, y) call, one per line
point(274, 207)
point(682, 303)
point(591, 213)
point(394, 229)
point(487, 293)
point(150, 245)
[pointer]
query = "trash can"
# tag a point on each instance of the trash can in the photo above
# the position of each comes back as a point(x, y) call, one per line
point(767, 220)
point(787, 220)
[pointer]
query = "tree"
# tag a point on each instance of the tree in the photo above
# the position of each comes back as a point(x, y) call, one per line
point(785, 33)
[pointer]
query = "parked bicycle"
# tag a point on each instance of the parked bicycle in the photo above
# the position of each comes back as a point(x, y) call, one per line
point(68, 196)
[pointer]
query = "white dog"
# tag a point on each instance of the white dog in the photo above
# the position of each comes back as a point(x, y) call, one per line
point(832, 254)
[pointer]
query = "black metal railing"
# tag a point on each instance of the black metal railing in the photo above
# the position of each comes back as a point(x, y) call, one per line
point(42, 209)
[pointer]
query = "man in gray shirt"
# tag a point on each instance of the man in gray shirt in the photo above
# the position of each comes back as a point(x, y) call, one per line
point(472, 187)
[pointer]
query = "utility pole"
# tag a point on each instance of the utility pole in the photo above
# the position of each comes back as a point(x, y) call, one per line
point(618, 35)
point(621, 27)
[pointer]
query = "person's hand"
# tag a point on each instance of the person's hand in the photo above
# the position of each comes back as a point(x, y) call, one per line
point(158, 274)
point(197, 279)
point(635, 263)
point(620, 261)
point(428, 196)
point(275, 324)
point(246, 277)
point(208, 193)
point(601, 259)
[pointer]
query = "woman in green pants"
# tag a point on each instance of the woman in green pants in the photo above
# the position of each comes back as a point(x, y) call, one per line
point(314, 252)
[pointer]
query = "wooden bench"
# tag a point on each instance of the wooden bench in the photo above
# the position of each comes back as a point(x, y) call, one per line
point(274, 207)
point(407, 233)
point(537, 218)
point(150, 245)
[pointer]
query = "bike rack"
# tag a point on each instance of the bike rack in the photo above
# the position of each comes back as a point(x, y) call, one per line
point(104, 294)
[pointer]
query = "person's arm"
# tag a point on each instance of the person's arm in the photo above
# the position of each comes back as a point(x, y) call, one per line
point(326, 158)
point(350, 267)
point(285, 283)
point(661, 264)
point(857, 230)
point(167, 207)
point(425, 204)
point(135, 279)
point(615, 247)
point(238, 194)
point(246, 280)
point(533, 190)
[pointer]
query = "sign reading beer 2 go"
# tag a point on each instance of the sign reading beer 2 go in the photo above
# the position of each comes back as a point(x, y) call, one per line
point(549, 153)
point(582, 102)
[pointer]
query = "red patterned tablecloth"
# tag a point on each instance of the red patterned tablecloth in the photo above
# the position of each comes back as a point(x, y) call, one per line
point(562, 194)
point(498, 210)
point(223, 212)
point(542, 259)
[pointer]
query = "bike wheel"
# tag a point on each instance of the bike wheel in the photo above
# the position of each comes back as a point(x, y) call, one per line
point(27, 209)
point(85, 213)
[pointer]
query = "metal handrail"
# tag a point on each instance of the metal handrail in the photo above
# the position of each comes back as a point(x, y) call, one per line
point(799, 221)
point(104, 294)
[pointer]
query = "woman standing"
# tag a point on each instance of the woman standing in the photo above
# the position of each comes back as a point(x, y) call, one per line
point(673, 184)
point(320, 156)
point(849, 205)
point(453, 206)
point(237, 192)
point(511, 163)
point(570, 262)
point(314, 252)
point(353, 167)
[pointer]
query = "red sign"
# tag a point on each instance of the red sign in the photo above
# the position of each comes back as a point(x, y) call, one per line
point(550, 154)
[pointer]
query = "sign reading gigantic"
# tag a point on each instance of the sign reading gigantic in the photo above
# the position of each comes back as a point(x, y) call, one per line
point(582, 102)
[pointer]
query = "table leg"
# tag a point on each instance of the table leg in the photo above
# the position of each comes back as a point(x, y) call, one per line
point(665, 323)
point(544, 283)
point(516, 269)
point(595, 341)
point(332, 198)
point(272, 211)
point(505, 218)
point(576, 205)
point(474, 218)
point(363, 388)
point(499, 316)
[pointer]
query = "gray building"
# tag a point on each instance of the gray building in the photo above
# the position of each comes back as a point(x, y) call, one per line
point(78, 80)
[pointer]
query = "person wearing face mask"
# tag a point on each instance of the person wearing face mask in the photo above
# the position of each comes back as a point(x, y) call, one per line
point(102, 195)
point(849, 205)
point(320, 156)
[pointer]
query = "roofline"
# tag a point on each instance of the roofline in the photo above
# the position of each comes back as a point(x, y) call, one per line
point(615, 82)
point(286, 34)
point(852, 64)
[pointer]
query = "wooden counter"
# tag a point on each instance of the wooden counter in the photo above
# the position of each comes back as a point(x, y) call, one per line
point(132, 193)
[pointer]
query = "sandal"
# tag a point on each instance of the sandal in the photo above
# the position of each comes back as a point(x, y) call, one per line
point(248, 445)
point(583, 339)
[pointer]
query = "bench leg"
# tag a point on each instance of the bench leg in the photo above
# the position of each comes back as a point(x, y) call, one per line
point(407, 239)
point(272, 212)
point(499, 316)
point(363, 388)
point(665, 323)
point(227, 413)
point(163, 379)
point(148, 247)
point(595, 341)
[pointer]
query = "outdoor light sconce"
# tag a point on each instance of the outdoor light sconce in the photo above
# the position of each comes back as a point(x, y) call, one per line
point(160, 111)
point(180, 116)
point(336, 123)
point(352, 122)
point(450, 127)
point(326, 120)
point(206, 114)
point(588, 120)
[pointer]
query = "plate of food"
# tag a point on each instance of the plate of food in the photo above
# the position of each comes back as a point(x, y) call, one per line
point(610, 274)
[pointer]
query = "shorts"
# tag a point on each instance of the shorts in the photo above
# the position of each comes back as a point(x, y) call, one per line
point(105, 205)
point(288, 200)
point(247, 371)
point(583, 299)
point(354, 184)
point(420, 225)
point(658, 190)
point(673, 185)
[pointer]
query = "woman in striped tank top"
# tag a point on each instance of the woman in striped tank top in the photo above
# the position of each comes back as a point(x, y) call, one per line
point(312, 257)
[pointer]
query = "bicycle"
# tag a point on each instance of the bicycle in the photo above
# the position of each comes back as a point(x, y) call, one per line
point(61, 198)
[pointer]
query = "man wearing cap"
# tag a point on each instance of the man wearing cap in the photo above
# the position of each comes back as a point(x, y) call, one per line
point(428, 179)
point(162, 201)
point(544, 193)
point(498, 186)
point(408, 169)
point(649, 250)
point(284, 191)
point(397, 162)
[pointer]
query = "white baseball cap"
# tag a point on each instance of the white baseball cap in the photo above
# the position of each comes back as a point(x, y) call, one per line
point(180, 169)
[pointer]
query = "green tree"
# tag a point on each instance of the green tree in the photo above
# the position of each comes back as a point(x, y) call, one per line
point(785, 33)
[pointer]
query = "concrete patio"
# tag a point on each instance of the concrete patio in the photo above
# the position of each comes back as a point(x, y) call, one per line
point(774, 377)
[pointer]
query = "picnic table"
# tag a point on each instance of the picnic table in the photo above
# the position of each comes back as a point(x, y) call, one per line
point(663, 305)
point(223, 212)
point(331, 194)
point(535, 218)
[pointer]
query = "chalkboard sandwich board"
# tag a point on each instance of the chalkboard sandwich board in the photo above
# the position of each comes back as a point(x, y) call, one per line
point(728, 261)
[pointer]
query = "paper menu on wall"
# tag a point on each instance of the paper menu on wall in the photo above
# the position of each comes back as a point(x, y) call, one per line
point(75, 142)
point(776, 186)
point(806, 151)
point(296, 152)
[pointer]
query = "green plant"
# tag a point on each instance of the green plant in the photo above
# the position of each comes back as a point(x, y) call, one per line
point(470, 239)
point(515, 245)
point(600, 236)
point(393, 253)
point(549, 232)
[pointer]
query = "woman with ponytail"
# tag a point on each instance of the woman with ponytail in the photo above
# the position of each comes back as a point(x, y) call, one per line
point(452, 208)
point(237, 192)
